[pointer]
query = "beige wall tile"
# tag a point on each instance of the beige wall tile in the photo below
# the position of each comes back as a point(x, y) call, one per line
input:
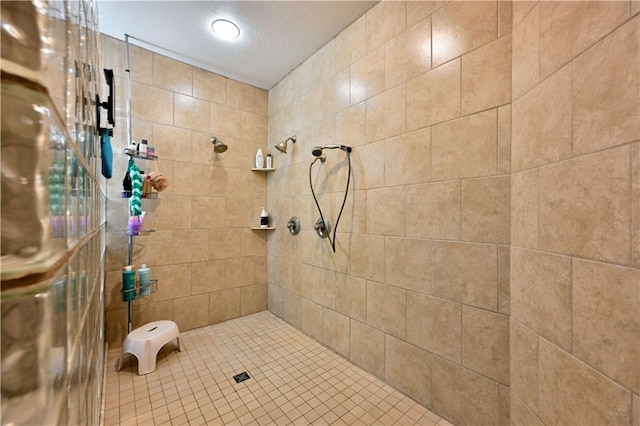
point(434, 96)
point(149, 312)
point(172, 75)
point(635, 7)
point(354, 216)
point(367, 76)
point(505, 405)
point(455, 386)
point(253, 128)
point(524, 209)
point(459, 27)
point(293, 309)
point(486, 76)
point(600, 401)
point(485, 343)
point(385, 20)
point(505, 17)
point(324, 63)
point(351, 297)
point(253, 243)
point(280, 272)
point(636, 410)
point(606, 318)
point(435, 325)
point(524, 364)
point(261, 101)
point(191, 312)
point(193, 243)
point(408, 263)
point(239, 212)
point(465, 147)
point(525, 50)
point(260, 269)
point(275, 300)
point(595, 226)
point(115, 328)
point(151, 104)
point(240, 96)
point(335, 93)
point(223, 243)
point(207, 276)
point(562, 24)
point(351, 125)
point(504, 280)
point(335, 331)
point(485, 209)
point(521, 9)
point(605, 86)
point(253, 299)
point(504, 139)
point(209, 86)
point(417, 10)
point(385, 114)
point(521, 415)
point(408, 158)
point(190, 113)
point(466, 272)
point(324, 289)
point(174, 281)
point(367, 252)
point(171, 212)
point(172, 142)
point(224, 121)
point(312, 319)
point(539, 137)
point(635, 204)
point(156, 251)
point(541, 294)
point(351, 44)
point(361, 160)
point(207, 212)
point(367, 348)
point(434, 210)
point(386, 211)
point(238, 272)
point(224, 305)
point(387, 309)
point(408, 368)
point(408, 54)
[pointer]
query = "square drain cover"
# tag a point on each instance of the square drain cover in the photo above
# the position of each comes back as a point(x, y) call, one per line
point(241, 377)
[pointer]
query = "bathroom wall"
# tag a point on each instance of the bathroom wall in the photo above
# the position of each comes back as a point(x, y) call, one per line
point(418, 290)
point(211, 266)
point(575, 215)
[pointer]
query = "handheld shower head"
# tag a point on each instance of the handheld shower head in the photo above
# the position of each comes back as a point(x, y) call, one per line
point(317, 150)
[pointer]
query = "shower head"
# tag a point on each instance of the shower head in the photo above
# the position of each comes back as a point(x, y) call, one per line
point(218, 145)
point(282, 146)
point(317, 150)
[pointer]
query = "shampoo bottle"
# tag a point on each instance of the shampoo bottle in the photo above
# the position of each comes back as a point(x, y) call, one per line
point(264, 218)
point(144, 278)
point(128, 284)
point(259, 159)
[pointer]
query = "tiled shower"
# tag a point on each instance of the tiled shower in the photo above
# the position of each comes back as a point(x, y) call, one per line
point(488, 259)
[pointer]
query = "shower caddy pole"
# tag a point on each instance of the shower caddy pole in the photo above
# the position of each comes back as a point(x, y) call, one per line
point(129, 139)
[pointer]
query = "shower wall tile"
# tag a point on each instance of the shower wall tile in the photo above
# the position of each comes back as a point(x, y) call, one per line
point(238, 272)
point(408, 263)
point(293, 309)
point(312, 319)
point(386, 309)
point(367, 348)
point(605, 86)
point(172, 142)
point(539, 137)
point(335, 93)
point(485, 343)
point(435, 325)
point(408, 158)
point(465, 147)
point(355, 211)
point(541, 294)
point(466, 273)
point(434, 96)
point(455, 386)
point(240, 96)
point(165, 217)
point(408, 54)
point(367, 76)
point(521, 9)
point(207, 276)
point(385, 114)
point(210, 87)
point(384, 21)
point(151, 104)
point(191, 312)
point(485, 209)
point(239, 212)
point(253, 128)
point(149, 312)
point(525, 48)
point(253, 299)
point(524, 209)
point(636, 410)
point(351, 125)
point(505, 17)
point(386, 211)
point(459, 27)
point(524, 364)
point(408, 368)
point(335, 331)
point(190, 113)
point(504, 139)
point(224, 122)
point(417, 10)
point(597, 226)
point(253, 243)
point(601, 401)
point(486, 76)
point(260, 270)
point(606, 317)
point(205, 212)
point(504, 279)
point(434, 210)
point(521, 415)
point(172, 75)
point(224, 305)
point(367, 253)
point(635, 204)
point(561, 29)
point(362, 158)
point(351, 44)
point(157, 251)
point(223, 243)
point(351, 297)
point(275, 300)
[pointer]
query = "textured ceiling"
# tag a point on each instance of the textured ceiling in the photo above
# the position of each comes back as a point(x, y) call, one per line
point(276, 36)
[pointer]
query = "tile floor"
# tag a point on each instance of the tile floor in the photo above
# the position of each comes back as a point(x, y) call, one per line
point(294, 381)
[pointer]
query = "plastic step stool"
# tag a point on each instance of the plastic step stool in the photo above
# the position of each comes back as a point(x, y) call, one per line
point(145, 342)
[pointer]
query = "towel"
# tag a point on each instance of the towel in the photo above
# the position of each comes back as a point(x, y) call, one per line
point(106, 154)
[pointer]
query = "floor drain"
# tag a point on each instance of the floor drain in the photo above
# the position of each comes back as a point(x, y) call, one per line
point(241, 377)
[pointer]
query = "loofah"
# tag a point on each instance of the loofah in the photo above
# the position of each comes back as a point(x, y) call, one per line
point(158, 181)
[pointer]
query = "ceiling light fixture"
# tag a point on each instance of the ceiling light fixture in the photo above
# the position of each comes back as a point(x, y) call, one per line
point(224, 29)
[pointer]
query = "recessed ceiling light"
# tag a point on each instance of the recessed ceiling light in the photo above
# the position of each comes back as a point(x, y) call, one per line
point(224, 29)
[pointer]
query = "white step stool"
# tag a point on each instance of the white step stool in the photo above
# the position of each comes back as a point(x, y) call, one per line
point(145, 342)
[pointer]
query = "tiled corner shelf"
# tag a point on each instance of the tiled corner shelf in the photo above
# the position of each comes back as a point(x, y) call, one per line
point(263, 169)
point(263, 228)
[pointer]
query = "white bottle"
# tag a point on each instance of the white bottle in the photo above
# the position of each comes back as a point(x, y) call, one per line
point(269, 163)
point(264, 218)
point(259, 159)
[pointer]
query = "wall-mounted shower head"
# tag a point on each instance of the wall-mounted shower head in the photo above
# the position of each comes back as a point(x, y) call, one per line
point(218, 145)
point(282, 146)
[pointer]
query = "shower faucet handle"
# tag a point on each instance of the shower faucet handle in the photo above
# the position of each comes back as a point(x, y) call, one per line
point(294, 225)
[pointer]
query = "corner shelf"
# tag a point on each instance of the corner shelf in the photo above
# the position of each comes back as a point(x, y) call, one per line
point(263, 228)
point(263, 169)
